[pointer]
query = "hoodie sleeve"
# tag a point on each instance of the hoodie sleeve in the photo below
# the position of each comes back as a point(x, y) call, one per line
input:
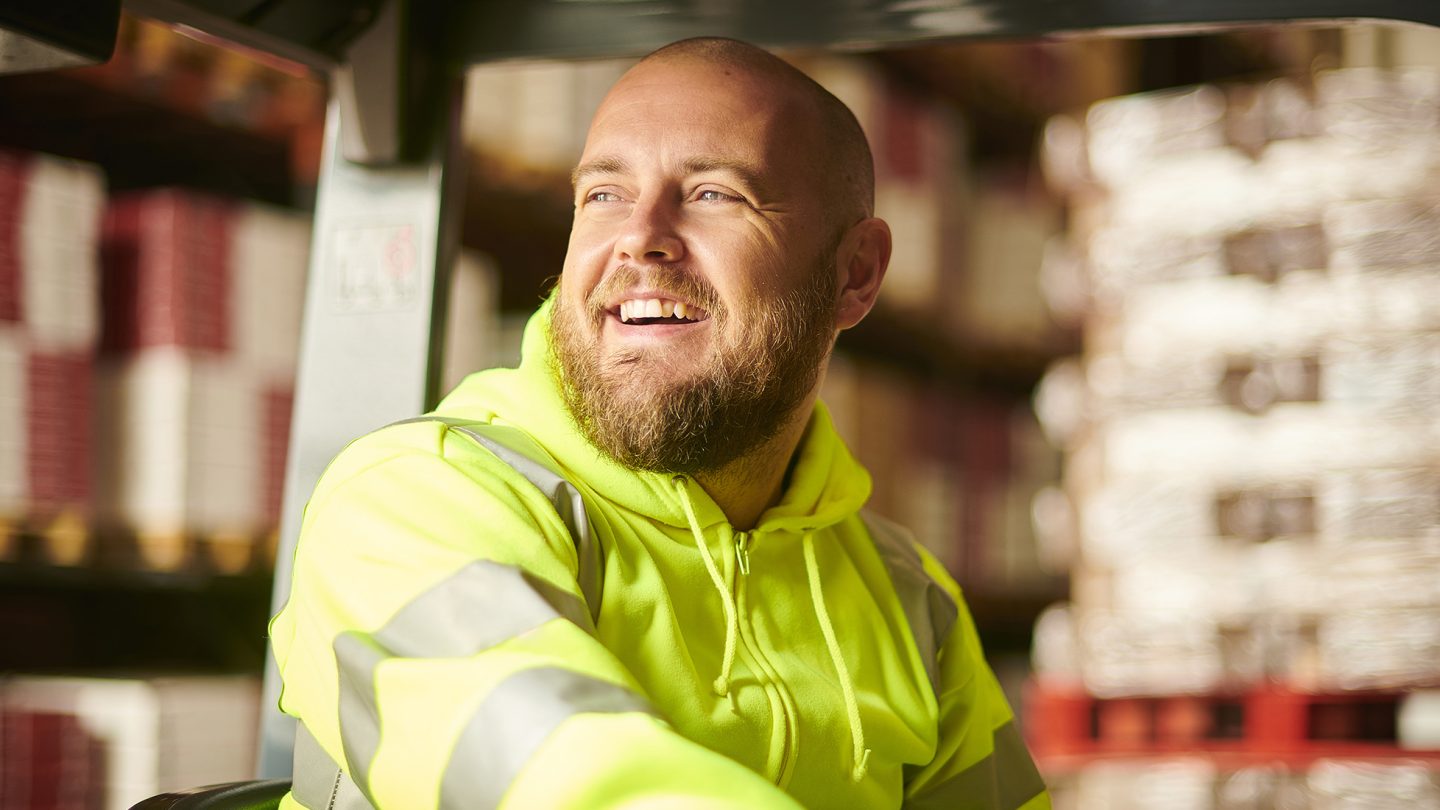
point(981, 762)
point(437, 650)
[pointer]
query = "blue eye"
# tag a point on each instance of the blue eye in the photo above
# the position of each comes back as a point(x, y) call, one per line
point(711, 195)
point(602, 197)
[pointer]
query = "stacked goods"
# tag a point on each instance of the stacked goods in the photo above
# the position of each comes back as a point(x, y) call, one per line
point(967, 244)
point(110, 742)
point(202, 302)
point(529, 119)
point(48, 761)
point(472, 332)
point(1188, 783)
point(49, 323)
point(956, 467)
point(1254, 459)
point(918, 148)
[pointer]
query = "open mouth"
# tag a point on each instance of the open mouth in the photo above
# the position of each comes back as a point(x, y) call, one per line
point(653, 311)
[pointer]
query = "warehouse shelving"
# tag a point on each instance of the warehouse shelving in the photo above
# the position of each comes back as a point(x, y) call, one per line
point(1008, 372)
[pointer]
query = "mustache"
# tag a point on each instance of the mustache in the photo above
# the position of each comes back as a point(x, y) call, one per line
point(674, 280)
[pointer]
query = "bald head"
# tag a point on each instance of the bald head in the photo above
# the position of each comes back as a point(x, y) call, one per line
point(842, 162)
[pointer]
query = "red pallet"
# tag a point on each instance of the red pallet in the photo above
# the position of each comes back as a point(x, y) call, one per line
point(1272, 723)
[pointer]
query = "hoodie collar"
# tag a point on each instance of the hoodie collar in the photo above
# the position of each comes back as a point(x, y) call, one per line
point(826, 484)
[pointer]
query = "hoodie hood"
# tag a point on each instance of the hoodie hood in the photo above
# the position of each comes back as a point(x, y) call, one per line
point(826, 485)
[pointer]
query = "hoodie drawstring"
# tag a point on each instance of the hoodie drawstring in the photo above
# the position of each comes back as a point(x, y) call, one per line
point(732, 620)
point(721, 683)
point(852, 707)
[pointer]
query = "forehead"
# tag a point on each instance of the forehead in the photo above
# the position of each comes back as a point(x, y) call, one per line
point(679, 110)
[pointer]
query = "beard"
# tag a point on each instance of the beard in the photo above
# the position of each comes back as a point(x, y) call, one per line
point(744, 392)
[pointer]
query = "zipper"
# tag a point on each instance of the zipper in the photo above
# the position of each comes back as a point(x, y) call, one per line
point(742, 552)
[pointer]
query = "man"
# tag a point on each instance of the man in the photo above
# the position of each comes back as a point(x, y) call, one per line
point(634, 571)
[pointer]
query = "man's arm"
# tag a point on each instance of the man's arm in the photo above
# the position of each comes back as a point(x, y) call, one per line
point(437, 647)
point(981, 762)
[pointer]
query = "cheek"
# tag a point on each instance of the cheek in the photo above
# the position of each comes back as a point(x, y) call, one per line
point(744, 263)
point(586, 256)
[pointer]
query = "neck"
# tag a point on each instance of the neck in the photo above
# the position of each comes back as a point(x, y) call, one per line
point(745, 489)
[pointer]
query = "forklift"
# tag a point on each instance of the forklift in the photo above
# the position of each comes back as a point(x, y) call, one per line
point(392, 160)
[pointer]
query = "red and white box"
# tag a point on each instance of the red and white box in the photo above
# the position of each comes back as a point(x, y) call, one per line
point(45, 429)
point(166, 277)
point(152, 734)
point(50, 210)
point(181, 444)
point(269, 254)
point(202, 331)
point(48, 762)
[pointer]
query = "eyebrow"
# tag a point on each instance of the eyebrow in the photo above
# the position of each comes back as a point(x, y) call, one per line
point(601, 165)
point(748, 174)
point(610, 164)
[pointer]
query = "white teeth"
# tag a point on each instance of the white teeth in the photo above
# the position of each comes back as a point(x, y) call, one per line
point(637, 308)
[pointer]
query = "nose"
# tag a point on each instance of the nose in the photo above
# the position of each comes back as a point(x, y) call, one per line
point(649, 235)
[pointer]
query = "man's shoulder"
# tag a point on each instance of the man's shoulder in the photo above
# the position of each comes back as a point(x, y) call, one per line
point(438, 446)
point(901, 548)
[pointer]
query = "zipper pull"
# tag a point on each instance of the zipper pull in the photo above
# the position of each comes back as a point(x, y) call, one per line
point(742, 552)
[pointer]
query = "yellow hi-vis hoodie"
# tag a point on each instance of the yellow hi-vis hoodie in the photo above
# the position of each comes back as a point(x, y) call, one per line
point(487, 611)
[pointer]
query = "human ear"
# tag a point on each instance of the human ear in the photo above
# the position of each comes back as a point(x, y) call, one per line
point(861, 262)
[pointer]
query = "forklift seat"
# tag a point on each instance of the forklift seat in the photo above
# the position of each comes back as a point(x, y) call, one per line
point(253, 795)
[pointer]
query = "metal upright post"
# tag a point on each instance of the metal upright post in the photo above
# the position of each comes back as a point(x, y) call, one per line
point(383, 245)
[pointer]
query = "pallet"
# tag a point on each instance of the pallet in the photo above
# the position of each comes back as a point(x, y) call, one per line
point(223, 553)
point(1271, 723)
point(68, 541)
point(62, 539)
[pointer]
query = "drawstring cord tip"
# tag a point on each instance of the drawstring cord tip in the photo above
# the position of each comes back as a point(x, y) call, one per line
point(861, 768)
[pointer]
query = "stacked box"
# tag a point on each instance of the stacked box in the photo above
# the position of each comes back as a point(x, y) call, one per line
point(166, 279)
point(472, 332)
point(203, 299)
point(1254, 448)
point(48, 761)
point(49, 322)
point(125, 739)
point(531, 118)
point(918, 146)
point(1195, 783)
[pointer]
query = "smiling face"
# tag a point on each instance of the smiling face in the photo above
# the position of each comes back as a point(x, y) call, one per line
point(698, 299)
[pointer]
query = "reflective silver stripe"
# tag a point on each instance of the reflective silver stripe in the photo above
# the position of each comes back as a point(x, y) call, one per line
point(929, 609)
point(513, 721)
point(357, 658)
point(1005, 780)
point(522, 454)
point(320, 784)
point(474, 609)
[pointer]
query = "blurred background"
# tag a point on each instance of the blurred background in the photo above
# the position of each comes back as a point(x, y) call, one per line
point(1155, 372)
